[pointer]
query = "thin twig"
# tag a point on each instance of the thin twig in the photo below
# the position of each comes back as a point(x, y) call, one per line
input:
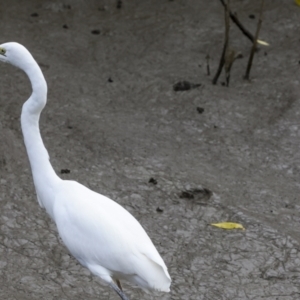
point(255, 40)
point(226, 41)
point(235, 19)
point(207, 65)
point(228, 55)
point(229, 59)
point(221, 64)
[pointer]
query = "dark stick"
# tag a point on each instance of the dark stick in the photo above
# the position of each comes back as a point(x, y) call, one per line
point(221, 64)
point(227, 52)
point(222, 59)
point(255, 41)
point(229, 59)
point(207, 65)
point(235, 19)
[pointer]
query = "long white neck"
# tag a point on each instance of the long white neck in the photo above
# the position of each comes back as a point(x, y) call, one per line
point(44, 176)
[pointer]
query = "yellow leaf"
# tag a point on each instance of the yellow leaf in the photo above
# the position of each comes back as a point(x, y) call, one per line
point(228, 225)
point(261, 42)
point(297, 2)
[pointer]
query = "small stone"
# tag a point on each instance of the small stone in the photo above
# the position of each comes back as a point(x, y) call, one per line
point(200, 110)
point(152, 180)
point(95, 31)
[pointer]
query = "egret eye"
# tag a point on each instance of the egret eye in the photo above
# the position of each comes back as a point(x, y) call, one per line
point(2, 51)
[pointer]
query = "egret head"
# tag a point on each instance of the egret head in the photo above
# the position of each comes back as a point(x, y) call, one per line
point(15, 54)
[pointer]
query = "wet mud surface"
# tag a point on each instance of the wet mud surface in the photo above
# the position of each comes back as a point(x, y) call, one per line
point(177, 160)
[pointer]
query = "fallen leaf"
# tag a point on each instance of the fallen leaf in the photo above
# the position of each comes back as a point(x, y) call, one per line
point(228, 225)
point(297, 2)
point(261, 42)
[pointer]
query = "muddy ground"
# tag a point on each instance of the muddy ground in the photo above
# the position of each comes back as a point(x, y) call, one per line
point(114, 121)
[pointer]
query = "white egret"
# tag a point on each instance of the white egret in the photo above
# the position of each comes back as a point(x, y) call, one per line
point(99, 233)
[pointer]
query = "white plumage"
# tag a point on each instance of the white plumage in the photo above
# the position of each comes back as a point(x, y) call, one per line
point(100, 233)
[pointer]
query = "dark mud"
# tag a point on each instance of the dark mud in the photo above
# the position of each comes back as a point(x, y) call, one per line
point(114, 135)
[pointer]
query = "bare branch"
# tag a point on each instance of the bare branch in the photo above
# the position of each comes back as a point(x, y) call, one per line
point(235, 19)
point(255, 40)
point(226, 41)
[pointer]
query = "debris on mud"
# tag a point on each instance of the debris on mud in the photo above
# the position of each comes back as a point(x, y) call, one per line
point(228, 225)
point(95, 31)
point(160, 210)
point(65, 171)
point(152, 180)
point(200, 110)
point(65, 26)
point(110, 80)
point(35, 14)
point(185, 86)
point(199, 195)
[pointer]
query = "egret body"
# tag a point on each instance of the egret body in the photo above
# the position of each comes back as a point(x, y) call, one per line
point(99, 233)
